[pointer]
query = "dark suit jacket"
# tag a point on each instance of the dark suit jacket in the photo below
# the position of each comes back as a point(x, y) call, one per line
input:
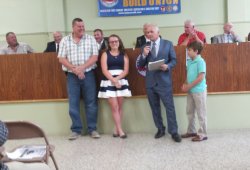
point(140, 41)
point(158, 77)
point(51, 47)
point(104, 45)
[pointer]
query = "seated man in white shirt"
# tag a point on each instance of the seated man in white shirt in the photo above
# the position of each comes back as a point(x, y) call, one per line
point(227, 37)
point(15, 47)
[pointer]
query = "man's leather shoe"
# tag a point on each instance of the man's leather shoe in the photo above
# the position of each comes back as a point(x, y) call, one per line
point(188, 135)
point(159, 133)
point(176, 137)
point(199, 138)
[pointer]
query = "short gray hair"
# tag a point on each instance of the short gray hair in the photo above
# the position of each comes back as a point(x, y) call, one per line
point(154, 26)
point(229, 23)
point(189, 22)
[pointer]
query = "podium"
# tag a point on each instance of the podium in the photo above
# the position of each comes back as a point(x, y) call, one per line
point(39, 77)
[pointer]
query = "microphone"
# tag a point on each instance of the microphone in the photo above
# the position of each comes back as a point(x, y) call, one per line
point(148, 43)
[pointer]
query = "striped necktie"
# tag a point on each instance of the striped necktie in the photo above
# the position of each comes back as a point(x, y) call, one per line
point(229, 39)
point(153, 50)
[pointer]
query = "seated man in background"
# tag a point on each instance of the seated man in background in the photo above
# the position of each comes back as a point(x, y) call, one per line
point(141, 41)
point(101, 41)
point(227, 37)
point(53, 46)
point(191, 34)
point(15, 47)
point(248, 38)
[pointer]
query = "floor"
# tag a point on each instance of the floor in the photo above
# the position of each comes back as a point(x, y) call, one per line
point(224, 150)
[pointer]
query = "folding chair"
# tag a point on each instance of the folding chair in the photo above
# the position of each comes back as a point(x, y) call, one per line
point(27, 130)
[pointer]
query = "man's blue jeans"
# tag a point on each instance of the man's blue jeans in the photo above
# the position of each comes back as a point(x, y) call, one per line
point(88, 88)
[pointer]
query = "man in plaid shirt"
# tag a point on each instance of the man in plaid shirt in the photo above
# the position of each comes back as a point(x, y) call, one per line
point(3, 138)
point(78, 54)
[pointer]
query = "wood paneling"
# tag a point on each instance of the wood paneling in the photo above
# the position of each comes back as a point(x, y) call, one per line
point(39, 76)
point(228, 67)
point(31, 77)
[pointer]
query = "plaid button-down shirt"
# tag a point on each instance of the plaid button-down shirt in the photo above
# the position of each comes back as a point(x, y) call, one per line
point(3, 133)
point(78, 53)
point(3, 138)
point(3, 167)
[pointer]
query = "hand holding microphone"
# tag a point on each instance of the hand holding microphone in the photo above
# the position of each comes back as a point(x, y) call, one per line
point(192, 34)
point(232, 32)
point(146, 48)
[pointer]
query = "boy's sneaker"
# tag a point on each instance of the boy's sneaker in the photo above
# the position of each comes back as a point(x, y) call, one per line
point(74, 136)
point(95, 134)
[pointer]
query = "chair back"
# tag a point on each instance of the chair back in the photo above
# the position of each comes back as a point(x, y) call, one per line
point(24, 130)
point(27, 130)
point(212, 40)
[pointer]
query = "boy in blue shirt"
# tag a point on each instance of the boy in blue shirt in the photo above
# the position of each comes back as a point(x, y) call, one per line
point(196, 88)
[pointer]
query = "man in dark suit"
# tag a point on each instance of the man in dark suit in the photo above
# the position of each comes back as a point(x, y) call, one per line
point(53, 46)
point(159, 82)
point(101, 41)
point(141, 41)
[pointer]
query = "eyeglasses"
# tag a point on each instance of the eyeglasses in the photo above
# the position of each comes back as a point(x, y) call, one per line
point(112, 42)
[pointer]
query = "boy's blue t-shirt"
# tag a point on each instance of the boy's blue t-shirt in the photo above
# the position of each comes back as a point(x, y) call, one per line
point(194, 68)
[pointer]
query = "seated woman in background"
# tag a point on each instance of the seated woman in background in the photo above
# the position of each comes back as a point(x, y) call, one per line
point(114, 86)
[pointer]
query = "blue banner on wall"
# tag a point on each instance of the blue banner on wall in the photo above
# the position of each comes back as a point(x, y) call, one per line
point(108, 8)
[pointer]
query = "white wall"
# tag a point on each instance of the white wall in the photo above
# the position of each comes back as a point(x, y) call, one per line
point(22, 16)
point(238, 11)
point(55, 15)
point(224, 112)
point(194, 9)
point(35, 20)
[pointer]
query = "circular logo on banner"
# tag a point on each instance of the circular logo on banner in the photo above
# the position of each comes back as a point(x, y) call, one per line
point(141, 70)
point(169, 8)
point(175, 8)
point(109, 3)
point(163, 8)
